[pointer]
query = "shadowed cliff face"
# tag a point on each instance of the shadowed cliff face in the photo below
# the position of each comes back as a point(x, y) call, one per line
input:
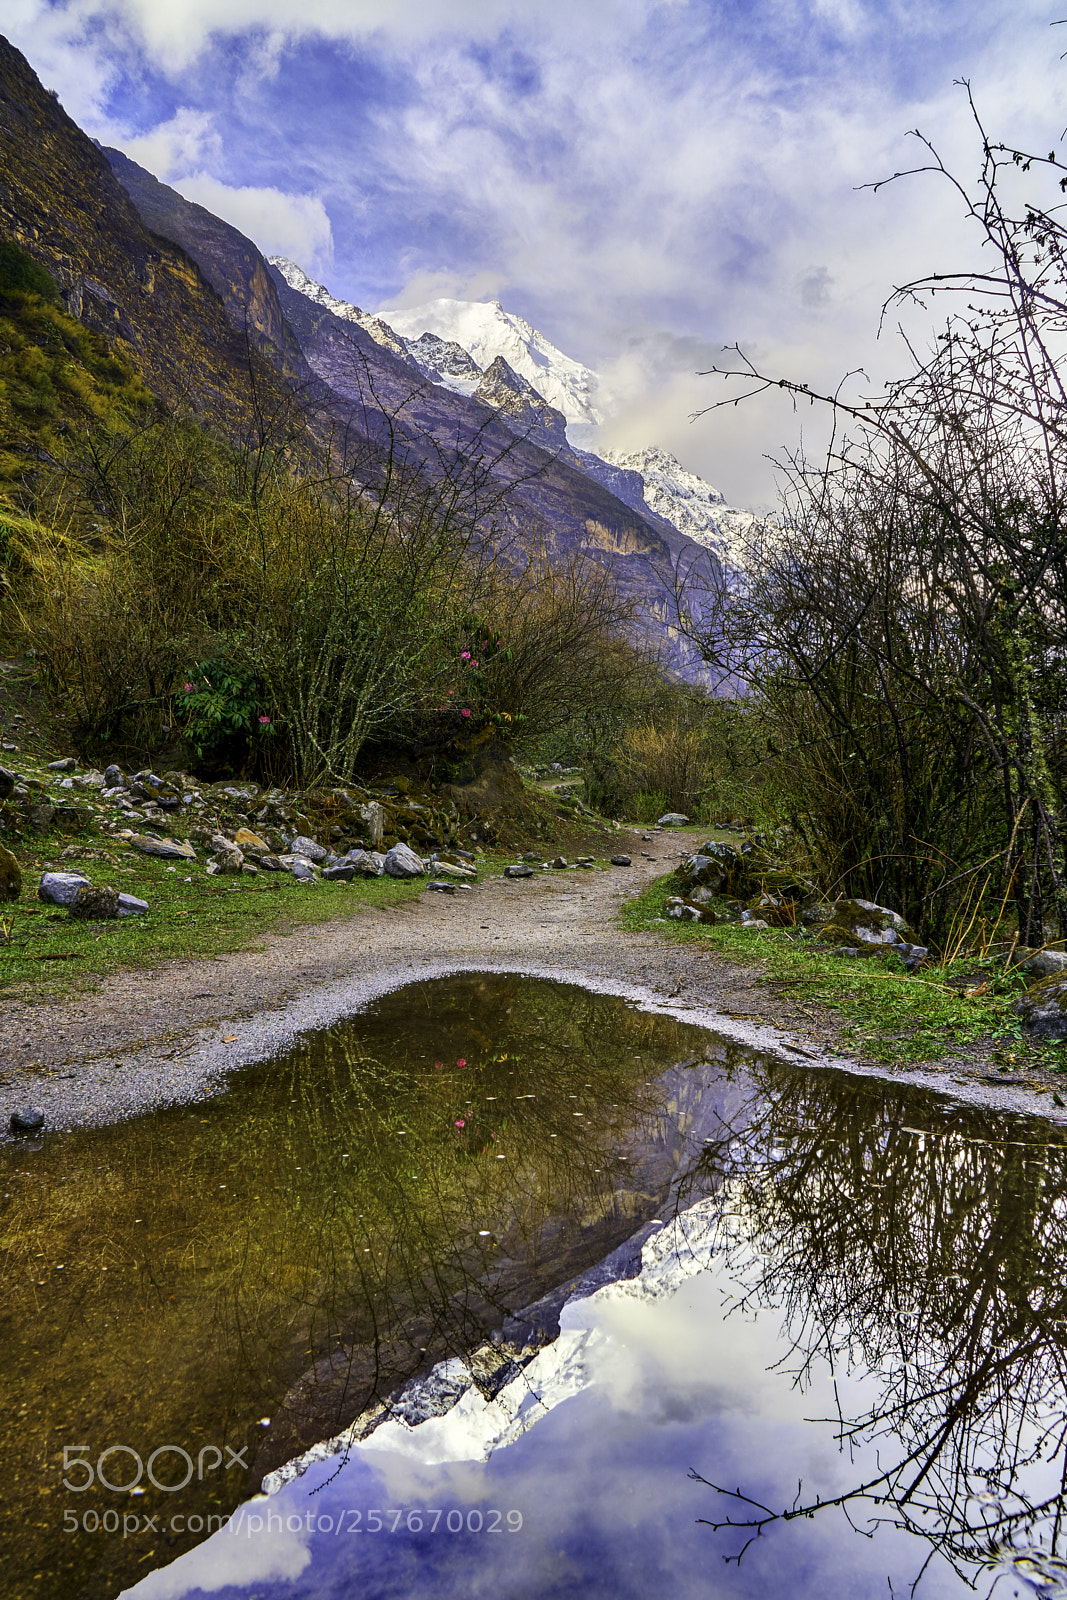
point(229, 261)
point(60, 201)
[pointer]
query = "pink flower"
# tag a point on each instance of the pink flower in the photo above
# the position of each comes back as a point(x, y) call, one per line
point(451, 691)
point(462, 1062)
point(188, 688)
point(465, 656)
point(264, 719)
point(474, 663)
point(438, 1063)
point(464, 712)
point(461, 1122)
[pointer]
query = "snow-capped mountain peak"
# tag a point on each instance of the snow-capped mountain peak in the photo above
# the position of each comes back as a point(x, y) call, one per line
point(485, 330)
point(379, 331)
point(693, 506)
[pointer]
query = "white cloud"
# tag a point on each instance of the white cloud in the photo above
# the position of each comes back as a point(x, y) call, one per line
point(180, 145)
point(280, 224)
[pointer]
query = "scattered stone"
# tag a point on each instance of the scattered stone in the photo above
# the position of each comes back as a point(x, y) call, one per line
point(341, 872)
point(1043, 1009)
point(59, 888)
point(372, 814)
point(131, 906)
point(247, 840)
point(228, 862)
point(681, 910)
point(8, 781)
point(271, 864)
point(166, 849)
point(672, 819)
point(27, 1119)
point(560, 863)
point(312, 851)
point(94, 905)
point(65, 764)
point(301, 869)
point(10, 875)
point(402, 862)
point(621, 861)
point(518, 870)
point(1043, 964)
point(533, 855)
point(114, 777)
point(449, 870)
point(41, 817)
point(441, 886)
point(858, 922)
point(367, 863)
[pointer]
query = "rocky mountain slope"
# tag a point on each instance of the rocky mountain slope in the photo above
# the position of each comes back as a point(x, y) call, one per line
point(195, 307)
point(61, 202)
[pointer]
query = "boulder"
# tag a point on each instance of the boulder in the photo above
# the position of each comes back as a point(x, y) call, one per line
point(367, 863)
point(94, 905)
point(1042, 964)
point(621, 861)
point(27, 1119)
point(59, 888)
point(64, 764)
point(131, 906)
point(10, 876)
point(8, 781)
point(308, 848)
point(246, 840)
point(227, 862)
point(402, 862)
point(672, 819)
point(859, 922)
point(114, 777)
point(1043, 1009)
point(340, 872)
point(519, 869)
point(271, 864)
point(166, 849)
point(560, 863)
point(449, 869)
point(441, 886)
point(680, 910)
point(298, 866)
point(372, 815)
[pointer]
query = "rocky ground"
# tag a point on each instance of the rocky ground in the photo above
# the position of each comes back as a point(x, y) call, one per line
point(147, 1037)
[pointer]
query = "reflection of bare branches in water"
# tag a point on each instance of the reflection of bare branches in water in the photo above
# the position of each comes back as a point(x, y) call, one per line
point(931, 1259)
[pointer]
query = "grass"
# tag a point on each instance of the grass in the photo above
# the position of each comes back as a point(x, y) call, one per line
point(890, 1015)
point(43, 953)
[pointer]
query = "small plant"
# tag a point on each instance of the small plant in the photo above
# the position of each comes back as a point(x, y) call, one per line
point(220, 706)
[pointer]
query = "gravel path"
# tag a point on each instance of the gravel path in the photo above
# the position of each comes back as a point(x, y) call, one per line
point(147, 1038)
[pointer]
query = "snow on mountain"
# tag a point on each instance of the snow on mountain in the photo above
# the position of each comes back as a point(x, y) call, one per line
point(379, 331)
point(485, 330)
point(693, 506)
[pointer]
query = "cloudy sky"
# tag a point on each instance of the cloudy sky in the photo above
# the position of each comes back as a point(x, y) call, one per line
point(644, 180)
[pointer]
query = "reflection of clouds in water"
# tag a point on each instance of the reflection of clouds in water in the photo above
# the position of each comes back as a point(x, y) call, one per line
point(231, 1561)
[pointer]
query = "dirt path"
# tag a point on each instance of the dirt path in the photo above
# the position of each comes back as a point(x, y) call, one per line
point(146, 1037)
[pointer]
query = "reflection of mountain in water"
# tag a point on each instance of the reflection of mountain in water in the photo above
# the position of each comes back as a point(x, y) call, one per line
point(912, 1250)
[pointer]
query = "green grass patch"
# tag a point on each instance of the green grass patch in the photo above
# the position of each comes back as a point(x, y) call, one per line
point(43, 953)
point(891, 1015)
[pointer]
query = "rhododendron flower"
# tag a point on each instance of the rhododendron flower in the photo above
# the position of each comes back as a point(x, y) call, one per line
point(465, 656)
point(464, 712)
point(462, 1062)
point(451, 691)
point(460, 1122)
point(264, 719)
point(188, 688)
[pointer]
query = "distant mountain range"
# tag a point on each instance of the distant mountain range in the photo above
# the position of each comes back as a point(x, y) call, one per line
point(210, 323)
point(463, 343)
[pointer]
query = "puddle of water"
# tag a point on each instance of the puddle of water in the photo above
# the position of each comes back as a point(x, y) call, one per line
point(839, 1371)
point(202, 1293)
